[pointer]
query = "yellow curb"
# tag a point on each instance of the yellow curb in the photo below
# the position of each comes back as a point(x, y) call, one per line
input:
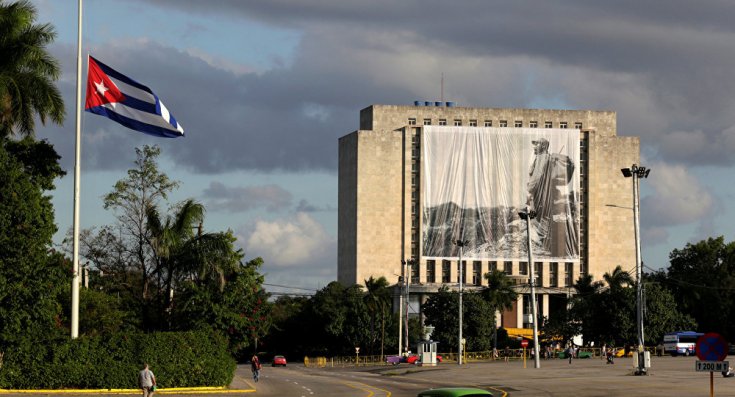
point(172, 390)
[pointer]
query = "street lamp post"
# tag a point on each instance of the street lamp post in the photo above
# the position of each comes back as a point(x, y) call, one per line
point(461, 244)
point(528, 215)
point(407, 265)
point(636, 172)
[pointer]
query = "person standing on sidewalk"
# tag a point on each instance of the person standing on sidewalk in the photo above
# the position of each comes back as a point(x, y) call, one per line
point(147, 381)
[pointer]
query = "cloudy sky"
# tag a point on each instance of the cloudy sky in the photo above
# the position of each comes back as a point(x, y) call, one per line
point(265, 88)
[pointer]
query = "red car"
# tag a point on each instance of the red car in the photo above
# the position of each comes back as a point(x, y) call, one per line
point(279, 360)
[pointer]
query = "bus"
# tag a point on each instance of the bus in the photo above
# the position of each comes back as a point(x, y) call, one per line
point(681, 342)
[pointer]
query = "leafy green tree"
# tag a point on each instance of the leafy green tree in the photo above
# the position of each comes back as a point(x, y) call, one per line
point(584, 308)
point(442, 312)
point(240, 309)
point(339, 319)
point(31, 279)
point(662, 314)
point(701, 276)
point(27, 71)
point(181, 255)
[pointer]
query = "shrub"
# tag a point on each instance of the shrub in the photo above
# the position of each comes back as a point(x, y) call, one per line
point(178, 359)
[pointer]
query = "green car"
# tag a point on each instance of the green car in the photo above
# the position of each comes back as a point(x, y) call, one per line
point(455, 392)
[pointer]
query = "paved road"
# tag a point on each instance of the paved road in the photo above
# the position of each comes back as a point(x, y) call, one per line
point(669, 376)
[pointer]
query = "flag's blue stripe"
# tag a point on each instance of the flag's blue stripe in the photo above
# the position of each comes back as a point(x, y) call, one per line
point(143, 106)
point(119, 76)
point(135, 124)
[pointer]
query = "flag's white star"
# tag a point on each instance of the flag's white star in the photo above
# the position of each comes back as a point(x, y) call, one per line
point(101, 89)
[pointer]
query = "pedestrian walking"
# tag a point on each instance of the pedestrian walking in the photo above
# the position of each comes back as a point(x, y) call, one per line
point(506, 353)
point(255, 367)
point(570, 352)
point(147, 381)
point(603, 352)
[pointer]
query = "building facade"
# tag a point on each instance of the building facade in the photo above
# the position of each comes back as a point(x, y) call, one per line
point(384, 188)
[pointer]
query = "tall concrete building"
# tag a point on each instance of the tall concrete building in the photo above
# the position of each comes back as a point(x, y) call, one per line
point(401, 172)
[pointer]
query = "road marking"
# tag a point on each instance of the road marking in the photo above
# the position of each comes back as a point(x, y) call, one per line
point(368, 388)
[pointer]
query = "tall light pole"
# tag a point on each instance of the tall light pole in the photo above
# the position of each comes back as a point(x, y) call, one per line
point(408, 264)
point(528, 215)
point(401, 279)
point(636, 172)
point(461, 244)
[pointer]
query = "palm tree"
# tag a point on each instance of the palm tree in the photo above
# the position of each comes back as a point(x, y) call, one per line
point(618, 279)
point(27, 71)
point(377, 298)
point(500, 294)
point(181, 254)
point(583, 305)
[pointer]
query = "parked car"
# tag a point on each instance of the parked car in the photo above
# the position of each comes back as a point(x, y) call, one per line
point(395, 360)
point(279, 360)
point(455, 392)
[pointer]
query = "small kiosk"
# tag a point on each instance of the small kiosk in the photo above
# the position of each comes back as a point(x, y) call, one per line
point(427, 349)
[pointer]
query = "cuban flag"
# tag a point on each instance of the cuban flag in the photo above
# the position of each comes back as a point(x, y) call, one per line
point(122, 99)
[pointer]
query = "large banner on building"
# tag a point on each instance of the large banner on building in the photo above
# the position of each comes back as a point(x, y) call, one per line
point(474, 181)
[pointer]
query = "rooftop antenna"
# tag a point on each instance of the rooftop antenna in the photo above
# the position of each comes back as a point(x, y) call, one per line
point(442, 84)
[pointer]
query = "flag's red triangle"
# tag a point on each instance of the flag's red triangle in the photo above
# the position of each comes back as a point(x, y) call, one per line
point(100, 89)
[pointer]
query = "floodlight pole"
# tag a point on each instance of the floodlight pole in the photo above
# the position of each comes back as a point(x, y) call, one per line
point(528, 215)
point(461, 244)
point(637, 172)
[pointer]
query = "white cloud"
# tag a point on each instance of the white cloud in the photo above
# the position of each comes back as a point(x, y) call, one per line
point(679, 197)
point(295, 242)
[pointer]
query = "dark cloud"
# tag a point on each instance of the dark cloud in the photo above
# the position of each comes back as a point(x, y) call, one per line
point(672, 58)
point(305, 206)
point(240, 199)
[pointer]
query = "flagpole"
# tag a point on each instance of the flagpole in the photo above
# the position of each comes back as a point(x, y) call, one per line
point(77, 176)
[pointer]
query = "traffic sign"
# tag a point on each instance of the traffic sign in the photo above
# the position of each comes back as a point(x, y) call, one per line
point(712, 366)
point(711, 347)
point(524, 343)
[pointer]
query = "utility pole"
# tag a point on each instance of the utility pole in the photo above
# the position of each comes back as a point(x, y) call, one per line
point(409, 264)
point(528, 215)
point(400, 310)
point(461, 244)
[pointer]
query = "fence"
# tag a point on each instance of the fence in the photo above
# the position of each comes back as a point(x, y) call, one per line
point(514, 354)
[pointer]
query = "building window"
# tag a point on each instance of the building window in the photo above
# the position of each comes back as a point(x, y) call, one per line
point(523, 270)
point(473, 123)
point(508, 267)
point(533, 124)
point(457, 123)
point(578, 126)
point(553, 274)
point(427, 121)
point(430, 271)
point(503, 123)
point(463, 268)
point(568, 274)
point(445, 271)
point(412, 121)
point(518, 124)
point(477, 273)
point(415, 272)
point(538, 273)
point(442, 122)
point(488, 123)
point(563, 124)
point(547, 124)
point(494, 266)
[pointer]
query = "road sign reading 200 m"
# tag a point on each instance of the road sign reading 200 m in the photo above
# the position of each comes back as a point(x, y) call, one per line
point(711, 347)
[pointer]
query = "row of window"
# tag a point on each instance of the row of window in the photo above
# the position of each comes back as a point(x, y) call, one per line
point(507, 266)
point(502, 123)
